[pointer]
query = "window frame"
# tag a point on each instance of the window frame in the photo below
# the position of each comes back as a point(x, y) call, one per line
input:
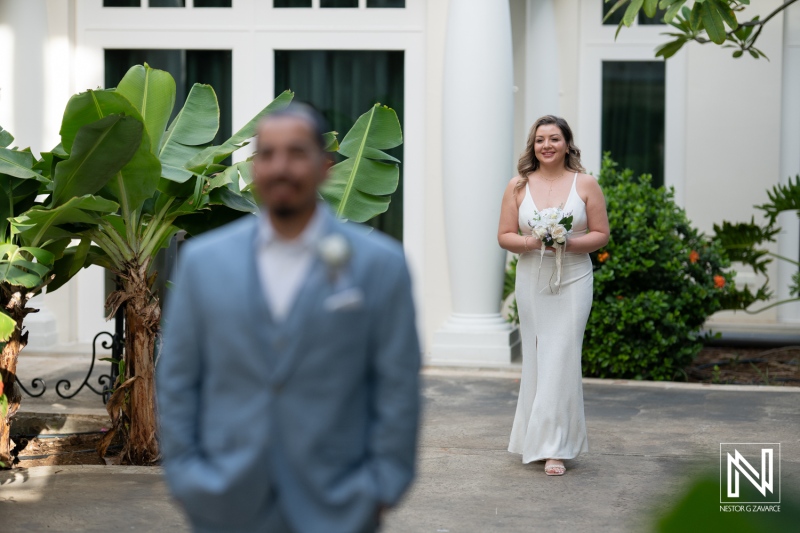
point(636, 43)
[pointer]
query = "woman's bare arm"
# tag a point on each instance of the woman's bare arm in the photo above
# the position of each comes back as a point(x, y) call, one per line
point(596, 218)
point(508, 233)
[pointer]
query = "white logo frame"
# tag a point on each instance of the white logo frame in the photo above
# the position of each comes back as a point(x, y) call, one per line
point(734, 463)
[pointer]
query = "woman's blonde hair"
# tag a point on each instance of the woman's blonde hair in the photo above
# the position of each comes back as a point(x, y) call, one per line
point(528, 162)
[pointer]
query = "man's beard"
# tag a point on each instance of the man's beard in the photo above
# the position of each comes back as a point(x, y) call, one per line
point(286, 212)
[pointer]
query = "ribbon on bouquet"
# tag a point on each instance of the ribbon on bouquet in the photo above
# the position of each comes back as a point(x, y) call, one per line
point(559, 262)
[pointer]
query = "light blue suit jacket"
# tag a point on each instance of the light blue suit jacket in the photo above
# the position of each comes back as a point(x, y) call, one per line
point(314, 417)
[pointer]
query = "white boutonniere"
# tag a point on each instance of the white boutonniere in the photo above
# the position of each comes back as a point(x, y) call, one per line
point(334, 249)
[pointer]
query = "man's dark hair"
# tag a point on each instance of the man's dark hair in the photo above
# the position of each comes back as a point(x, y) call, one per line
point(306, 113)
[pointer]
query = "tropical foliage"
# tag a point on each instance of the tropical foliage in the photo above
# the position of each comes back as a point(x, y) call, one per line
point(707, 21)
point(126, 178)
point(747, 244)
point(27, 253)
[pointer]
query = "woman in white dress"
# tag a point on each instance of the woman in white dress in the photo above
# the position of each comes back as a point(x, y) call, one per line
point(549, 422)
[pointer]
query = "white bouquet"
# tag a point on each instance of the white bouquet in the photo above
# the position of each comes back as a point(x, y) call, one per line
point(552, 226)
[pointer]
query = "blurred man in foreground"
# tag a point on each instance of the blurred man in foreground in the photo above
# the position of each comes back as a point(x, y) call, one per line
point(288, 382)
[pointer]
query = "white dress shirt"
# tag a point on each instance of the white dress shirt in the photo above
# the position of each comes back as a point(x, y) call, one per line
point(284, 263)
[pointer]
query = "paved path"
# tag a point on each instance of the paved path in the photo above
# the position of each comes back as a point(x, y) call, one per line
point(643, 443)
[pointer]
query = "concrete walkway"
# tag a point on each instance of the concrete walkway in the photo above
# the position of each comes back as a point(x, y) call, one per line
point(645, 440)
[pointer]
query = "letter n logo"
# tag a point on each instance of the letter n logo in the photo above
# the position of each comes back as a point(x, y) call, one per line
point(748, 466)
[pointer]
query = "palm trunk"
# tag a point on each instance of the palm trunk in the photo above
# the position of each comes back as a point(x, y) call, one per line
point(132, 407)
point(142, 315)
point(8, 371)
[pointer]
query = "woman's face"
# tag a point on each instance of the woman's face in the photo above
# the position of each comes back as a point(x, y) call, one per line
point(549, 145)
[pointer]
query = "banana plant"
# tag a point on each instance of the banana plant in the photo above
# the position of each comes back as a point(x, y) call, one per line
point(143, 202)
point(359, 187)
point(29, 250)
point(173, 178)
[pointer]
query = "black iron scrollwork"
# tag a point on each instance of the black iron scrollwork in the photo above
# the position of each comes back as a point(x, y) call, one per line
point(115, 342)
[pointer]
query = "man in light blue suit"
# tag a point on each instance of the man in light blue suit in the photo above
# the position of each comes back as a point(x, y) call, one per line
point(288, 382)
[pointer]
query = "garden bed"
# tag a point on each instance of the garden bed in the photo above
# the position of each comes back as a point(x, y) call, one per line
point(77, 449)
point(746, 366)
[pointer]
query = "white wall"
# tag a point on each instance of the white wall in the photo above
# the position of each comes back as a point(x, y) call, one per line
point(733, 135)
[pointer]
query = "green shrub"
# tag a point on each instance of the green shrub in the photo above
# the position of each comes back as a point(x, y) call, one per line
point(655, 283)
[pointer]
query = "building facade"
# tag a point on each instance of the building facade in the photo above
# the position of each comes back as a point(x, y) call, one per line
point(467, 78)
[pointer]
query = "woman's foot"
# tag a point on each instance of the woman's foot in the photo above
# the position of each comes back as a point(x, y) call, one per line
point(554, 467)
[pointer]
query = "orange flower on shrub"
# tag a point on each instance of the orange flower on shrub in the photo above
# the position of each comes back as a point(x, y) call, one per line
point(693, 256)
point(603, 256)
point(2, 385)
point(719, 281)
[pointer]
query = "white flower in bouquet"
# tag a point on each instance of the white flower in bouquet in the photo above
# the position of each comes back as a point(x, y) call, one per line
point(559, 234)
point(552, 226)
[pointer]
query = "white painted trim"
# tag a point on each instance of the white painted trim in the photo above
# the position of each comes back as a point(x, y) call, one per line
point(635, 44)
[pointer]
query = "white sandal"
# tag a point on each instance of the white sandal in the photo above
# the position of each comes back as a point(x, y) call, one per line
point(555, 470)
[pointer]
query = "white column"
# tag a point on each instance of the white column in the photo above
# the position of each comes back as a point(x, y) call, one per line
point(789, 239)
point(478, 162)
point(542, 78)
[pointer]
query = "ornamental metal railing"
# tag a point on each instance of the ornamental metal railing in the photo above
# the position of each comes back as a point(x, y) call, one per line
point(108, 341)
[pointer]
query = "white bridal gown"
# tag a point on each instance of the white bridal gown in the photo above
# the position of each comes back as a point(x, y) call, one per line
point(549, 422)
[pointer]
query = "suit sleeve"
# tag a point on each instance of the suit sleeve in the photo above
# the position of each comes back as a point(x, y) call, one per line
point(189, 474)
point(395, 370)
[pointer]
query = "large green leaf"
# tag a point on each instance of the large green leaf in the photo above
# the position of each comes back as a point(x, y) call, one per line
point(88, 107)
point(215, 154)
point(632, 12)
point(137, 181)
point(100, 150)
point(5, 138)
point(197, 122)
point(152, 93)
point(712, 21)
point(19, 164)
point(25, 267)
point(41, 224)
point(7, 327)
point(195, 126)
point(358, 188)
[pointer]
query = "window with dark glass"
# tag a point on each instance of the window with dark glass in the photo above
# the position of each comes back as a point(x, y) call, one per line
point(212, 3)
point(386, 3)
point(338, 3)
point(167, 3)
point(188, 67)
point(122, 3)
point(633, 116)
point(291, 3)
point(342, 85)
